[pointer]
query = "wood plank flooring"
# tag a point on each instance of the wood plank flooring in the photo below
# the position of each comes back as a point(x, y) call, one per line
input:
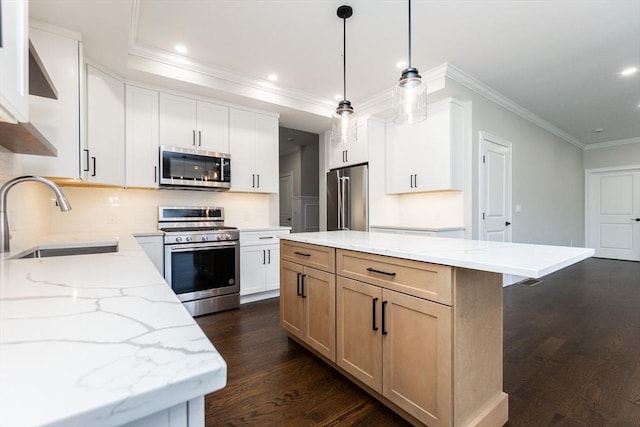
point(571, 358)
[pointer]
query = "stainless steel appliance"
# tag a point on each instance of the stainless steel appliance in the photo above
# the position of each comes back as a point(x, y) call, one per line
point(348, 198)
point(201, 258)
point(194, 169)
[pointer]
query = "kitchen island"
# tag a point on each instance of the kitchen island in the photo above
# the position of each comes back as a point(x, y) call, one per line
point(414, 320)
point(99, 340)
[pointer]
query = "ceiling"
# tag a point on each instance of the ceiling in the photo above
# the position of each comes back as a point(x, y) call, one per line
point(560, 60)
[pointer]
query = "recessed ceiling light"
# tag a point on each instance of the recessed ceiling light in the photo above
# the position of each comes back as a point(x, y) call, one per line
point(180, 48)
point(629, 71)
point(273, 77)
point(599, 130)
point(401, 64)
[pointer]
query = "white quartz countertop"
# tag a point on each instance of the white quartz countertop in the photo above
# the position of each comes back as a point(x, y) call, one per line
point(96, 340)
point(507, 258)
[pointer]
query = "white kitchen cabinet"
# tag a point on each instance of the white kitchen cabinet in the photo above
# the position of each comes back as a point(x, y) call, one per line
point(141, 162)
point(253, 144)
point(190, 123)
point(103, 158)
point(347, 154)
point(57, 119)
point(427, 156)
point(260, 261)
point(14, 83)
point(153, 246)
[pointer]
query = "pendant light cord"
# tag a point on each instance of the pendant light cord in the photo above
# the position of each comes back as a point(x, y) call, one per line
point(344, 58)
point(409, 33)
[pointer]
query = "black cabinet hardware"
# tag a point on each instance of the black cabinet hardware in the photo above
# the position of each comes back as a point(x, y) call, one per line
point(507, 223)
point(87, 160)
point(384, 326)
point(193, 138)
point(199, 139)
point(302, 294)
point(265, 237)
point(373, 313)
point(264, 256)
point(93, 159)
point(386, 273)
point(301, 253)
point(298, 291)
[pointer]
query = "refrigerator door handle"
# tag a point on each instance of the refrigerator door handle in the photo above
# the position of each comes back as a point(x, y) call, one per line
point(339, 198)
point(344, 191)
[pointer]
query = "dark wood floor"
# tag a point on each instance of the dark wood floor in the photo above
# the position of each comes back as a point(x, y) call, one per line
point(571, 358)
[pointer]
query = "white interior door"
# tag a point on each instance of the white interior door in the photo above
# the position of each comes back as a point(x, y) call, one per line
point(286, 200)
point(613, 209)
point(495, 191)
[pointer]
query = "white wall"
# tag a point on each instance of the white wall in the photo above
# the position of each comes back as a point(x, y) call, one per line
point(612, 154)
point(548, 176)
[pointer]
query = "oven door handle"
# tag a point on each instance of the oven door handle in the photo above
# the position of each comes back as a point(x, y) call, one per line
point(199, 246)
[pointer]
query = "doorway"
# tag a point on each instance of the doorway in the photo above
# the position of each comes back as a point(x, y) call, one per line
point(286, 199)
point(613, 213)
point(495, 189)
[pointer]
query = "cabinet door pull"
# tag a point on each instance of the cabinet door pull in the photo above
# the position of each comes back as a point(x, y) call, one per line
point(384, 325)
point(386, 273)
point(268, 256)
point(346, 156)
point(93, 160)
point(411, 180)
point(301, 253)
point(303, 295)
point(258, 175)
point(265, 237)
point(199, 138)
point(373, 314)
point(87, 160)
point(155, 174)
point(298, 291)
point(415, 181)
point(193, 138)
point(264, 257)
point(253, 180)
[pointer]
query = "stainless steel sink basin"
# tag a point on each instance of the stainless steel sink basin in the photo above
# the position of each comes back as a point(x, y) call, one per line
point(66, 250)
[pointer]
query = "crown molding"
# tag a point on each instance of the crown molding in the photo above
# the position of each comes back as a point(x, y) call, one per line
point(477, 86)
point(616, 143)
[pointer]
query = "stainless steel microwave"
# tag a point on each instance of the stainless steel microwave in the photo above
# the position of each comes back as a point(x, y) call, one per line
point(194, 169)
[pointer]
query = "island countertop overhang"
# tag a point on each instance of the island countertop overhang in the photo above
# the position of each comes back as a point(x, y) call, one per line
point(528, 260)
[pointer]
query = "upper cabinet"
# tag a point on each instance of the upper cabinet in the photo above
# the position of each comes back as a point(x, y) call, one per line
point(427, 156)
point(190, 123)
point(142, 138)
point(103, 160)
point(14, 100)
point(253, 142)
point(341, 154)
point(57, 119)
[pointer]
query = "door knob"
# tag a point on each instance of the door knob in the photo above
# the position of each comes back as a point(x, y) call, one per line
point(635, 219)
point(507, 223)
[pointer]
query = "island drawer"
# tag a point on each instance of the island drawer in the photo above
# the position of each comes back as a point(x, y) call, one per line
point(420, 279)
point(320, 257)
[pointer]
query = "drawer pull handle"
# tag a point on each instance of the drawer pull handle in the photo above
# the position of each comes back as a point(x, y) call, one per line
point(386, 273)
point(265, 237)
point(373, 311)
point(301, 253)
point(384, 326)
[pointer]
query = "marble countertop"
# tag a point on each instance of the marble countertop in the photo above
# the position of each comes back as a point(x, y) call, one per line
point(272, 228)
point(508, 258)
point(401, 227)
point(96, 340)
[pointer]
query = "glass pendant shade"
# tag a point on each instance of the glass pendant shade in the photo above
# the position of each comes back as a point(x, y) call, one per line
point(344, 124)
point(410, 98)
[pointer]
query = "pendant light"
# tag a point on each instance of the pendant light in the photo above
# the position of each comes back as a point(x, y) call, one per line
point(410, 93)
point(343, 124)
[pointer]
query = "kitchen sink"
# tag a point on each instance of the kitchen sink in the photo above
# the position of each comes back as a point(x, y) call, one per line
point(68, 250)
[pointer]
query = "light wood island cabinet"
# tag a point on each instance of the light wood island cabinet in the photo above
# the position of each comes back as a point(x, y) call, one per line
point(424, 339)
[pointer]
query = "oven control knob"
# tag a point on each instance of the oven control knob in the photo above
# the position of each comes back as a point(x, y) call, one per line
point(178, 239)
point(228, 236)
point(205, 238)
point(219, 237)
point(188, 238)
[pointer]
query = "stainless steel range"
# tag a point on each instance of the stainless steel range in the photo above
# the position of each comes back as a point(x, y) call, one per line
point(201, 257)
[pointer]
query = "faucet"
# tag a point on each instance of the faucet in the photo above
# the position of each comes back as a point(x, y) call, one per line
point(63, 204)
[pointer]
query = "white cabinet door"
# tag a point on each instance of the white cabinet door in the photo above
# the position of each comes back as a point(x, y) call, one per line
point(242, 149)
point(141, 141)
point(266, 154)
point(213, 127)
point(353, 153)
point(427, 156)
point(57, 119)
point(105, 129)
point(14, 83)
point(178, 121)
point(252, 269)
point(272, 271)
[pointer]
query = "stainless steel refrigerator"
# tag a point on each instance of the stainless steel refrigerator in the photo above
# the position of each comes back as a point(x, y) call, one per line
point(348, 198)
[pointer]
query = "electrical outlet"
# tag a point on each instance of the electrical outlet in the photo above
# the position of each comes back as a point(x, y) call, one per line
point(112, 218)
